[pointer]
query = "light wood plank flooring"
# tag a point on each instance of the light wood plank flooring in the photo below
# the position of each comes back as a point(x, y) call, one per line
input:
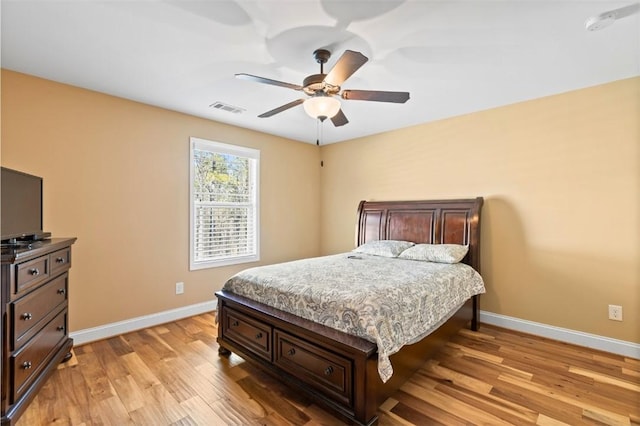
point(172, 375)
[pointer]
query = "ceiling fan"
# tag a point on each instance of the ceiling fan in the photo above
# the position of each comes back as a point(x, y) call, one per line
point(322, 89)
point(605, 19)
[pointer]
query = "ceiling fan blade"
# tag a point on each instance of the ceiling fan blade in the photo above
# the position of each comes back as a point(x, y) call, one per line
point(339, 119)
point(281, 108)
point(376, 95)
point(348, 63)
point(257, 79)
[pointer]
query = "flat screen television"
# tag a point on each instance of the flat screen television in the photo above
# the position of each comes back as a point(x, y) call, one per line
point(21, 207)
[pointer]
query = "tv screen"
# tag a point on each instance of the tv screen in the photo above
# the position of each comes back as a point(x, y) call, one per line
point(21, 207)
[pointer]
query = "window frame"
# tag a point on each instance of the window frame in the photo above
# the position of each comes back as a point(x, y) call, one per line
point(228, 149)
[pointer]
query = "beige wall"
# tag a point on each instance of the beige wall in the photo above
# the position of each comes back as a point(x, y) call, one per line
point(560, 176)
point(561, 180)
point(116, 176)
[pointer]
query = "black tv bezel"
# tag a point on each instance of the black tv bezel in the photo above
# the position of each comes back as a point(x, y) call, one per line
point(25, 235)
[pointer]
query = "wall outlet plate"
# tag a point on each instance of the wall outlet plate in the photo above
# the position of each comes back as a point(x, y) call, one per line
point(615, 312)
point(179, 288)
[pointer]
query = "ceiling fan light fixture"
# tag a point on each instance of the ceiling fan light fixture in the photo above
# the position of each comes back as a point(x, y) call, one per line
point(324, 89)
point(321, 106)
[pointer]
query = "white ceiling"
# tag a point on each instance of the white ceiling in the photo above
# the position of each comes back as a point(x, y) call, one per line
point(454, 57)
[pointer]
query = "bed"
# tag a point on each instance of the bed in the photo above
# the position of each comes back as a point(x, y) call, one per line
point(337, 369)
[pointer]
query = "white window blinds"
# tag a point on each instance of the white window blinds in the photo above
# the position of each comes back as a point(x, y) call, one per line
point(224, 204)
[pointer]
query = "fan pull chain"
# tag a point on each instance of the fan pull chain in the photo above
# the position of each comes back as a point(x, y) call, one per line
point(319, 131)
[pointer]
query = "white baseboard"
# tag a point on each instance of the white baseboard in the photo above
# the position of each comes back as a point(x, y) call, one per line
point(594, 341)
point(114, 329)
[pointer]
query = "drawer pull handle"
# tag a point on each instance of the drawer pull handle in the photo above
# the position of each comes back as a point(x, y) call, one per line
point(60, 328)
point(259, 336)
point(328, 371)
point(27, 316)
point(235, 323)
point(292, 352)
point(34, 271)
point(59, 259)
point(26, 365)
point(61, 291)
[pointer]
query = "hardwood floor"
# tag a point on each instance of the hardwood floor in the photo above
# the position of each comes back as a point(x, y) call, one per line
point(172, 375)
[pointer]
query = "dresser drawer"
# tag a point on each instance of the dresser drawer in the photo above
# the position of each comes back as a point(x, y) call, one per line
point(27, 363)
point(329, 373)
point(248, 332)
point(30, 310)
point(60, 261)
point(30, 274)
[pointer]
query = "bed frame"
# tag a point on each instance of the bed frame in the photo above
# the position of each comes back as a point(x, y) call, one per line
point(338, 370)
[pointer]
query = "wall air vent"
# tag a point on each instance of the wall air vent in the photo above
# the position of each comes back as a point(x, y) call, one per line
point(227, 107)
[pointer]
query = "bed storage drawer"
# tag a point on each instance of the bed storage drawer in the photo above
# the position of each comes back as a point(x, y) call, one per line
point(249, 332)
point(327, 372)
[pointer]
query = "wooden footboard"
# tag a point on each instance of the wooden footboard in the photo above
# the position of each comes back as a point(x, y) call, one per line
point(337, 370)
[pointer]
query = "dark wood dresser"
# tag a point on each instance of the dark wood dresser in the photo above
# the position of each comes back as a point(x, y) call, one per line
point(35, 339)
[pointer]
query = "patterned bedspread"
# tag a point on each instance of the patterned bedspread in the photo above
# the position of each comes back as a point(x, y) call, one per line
point(389, 301)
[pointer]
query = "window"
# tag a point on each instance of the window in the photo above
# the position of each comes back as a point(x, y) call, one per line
point(224, 226)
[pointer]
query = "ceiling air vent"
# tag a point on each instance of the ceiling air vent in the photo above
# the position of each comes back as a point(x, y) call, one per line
point(227, 107)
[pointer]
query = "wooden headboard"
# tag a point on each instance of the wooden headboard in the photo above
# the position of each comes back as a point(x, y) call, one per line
point(431, 222)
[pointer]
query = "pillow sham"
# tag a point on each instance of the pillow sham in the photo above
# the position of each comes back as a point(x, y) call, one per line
point(440, 253)
point(386, 248)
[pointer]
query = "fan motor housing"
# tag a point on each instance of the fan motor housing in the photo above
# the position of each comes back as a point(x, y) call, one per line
point(315, 83)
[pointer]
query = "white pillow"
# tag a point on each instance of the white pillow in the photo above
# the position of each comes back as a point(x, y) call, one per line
point(386, 248)
point(440, 253)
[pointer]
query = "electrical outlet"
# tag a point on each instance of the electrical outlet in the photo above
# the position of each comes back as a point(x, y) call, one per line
point(179, 288)
point(615, 312)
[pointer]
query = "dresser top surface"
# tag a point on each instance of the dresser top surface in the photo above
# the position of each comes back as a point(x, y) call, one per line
point(19, 253)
